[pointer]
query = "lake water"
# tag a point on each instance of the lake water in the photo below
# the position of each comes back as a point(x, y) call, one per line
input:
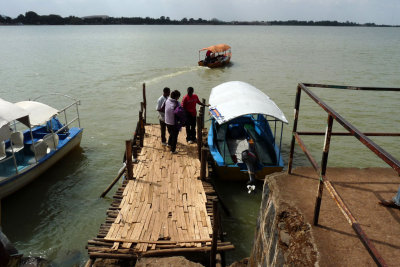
point(105, 66)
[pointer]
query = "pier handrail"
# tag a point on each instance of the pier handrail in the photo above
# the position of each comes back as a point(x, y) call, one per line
point(321, 170)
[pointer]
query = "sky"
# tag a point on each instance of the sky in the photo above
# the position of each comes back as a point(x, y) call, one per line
point(359, 11)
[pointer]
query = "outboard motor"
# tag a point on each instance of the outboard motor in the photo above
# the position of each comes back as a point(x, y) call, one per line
point(250, 159)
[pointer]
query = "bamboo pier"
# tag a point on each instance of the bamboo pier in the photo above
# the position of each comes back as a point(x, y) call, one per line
point(167, 208)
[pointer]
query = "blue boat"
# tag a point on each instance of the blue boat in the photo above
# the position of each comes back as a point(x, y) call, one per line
point(32, 139)
point(240, 138)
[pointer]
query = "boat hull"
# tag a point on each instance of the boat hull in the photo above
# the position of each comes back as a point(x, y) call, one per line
point(216, 64)
point(238, 171)
point(29, 174)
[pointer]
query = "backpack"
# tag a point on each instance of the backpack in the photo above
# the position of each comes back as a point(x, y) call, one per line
point(180, 115)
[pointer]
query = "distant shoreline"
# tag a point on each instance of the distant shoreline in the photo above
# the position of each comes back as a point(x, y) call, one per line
point(31, 18)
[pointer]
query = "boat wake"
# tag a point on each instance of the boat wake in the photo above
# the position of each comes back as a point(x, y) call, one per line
point(178, 72)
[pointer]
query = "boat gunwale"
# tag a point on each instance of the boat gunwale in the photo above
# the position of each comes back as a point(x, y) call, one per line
point(42, 160)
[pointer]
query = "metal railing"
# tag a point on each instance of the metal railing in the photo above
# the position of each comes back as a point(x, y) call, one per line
point(321, 170)
point(75, 103)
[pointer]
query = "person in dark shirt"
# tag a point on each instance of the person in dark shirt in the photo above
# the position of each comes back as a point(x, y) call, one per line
point(189, 104)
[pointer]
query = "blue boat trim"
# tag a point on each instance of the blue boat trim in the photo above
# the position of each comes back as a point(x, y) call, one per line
point(73, 133)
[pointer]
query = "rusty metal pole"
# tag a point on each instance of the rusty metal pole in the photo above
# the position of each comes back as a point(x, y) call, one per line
point(129, 165)
point(203, 163)
point(324, 164)
point(296, 118)
point(213, 251)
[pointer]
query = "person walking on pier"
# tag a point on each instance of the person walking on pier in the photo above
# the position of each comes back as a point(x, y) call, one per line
point(189, 104)
point(161, 113)
point(170, 119)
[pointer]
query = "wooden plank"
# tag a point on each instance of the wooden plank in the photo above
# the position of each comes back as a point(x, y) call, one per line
point(146, 230)
point(185, 204)
point(190, 230)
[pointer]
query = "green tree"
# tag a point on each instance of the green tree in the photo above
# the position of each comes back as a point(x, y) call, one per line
point(32, 18)
point(20, 19)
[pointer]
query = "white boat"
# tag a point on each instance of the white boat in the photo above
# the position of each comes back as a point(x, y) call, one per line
point(32, 139)
point(240, 138)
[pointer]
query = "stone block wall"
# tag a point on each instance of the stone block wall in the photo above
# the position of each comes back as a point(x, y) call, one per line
point(282, 237)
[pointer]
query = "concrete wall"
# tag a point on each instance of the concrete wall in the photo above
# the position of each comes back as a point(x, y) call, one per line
point(282, 238)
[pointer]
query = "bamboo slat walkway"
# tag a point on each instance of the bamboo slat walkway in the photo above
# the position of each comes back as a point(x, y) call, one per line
point(166, 210)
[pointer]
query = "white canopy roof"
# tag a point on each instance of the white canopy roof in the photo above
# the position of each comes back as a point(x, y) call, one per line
point(10, 112)
point(39, 113)
point(234, 99)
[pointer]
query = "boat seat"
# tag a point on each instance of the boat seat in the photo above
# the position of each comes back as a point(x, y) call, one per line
point(3, 154)
point(51, 140)
point(265, 150)
point(5, 132)
point(41, 149)
point(222, 144)
point(17, 142)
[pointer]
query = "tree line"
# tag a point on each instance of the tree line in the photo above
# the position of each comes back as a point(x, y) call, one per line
point(32, 18)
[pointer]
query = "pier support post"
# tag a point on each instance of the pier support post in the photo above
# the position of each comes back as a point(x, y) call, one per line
point(129, 165)
point(203, 163)
point(134, 152)
point(199, 136)
point(141, 125)
point(144, 102)
point(203, 111)
point(213, 251)
point(143, 110)
point(136, 133)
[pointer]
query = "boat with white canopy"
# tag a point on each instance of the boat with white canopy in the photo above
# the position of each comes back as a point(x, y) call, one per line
point(32, 139)
point(240, 138)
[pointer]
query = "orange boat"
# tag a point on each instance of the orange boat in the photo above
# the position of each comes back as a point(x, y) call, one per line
point(216, 56)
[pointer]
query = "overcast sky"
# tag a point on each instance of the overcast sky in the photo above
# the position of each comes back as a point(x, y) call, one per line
point(360, 11)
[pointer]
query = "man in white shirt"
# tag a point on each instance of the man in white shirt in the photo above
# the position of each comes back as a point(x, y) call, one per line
point(161, 113)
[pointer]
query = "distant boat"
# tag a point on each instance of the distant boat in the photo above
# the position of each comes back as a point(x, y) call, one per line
point(240, 128)
point(32, 139)
point(220, 56)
